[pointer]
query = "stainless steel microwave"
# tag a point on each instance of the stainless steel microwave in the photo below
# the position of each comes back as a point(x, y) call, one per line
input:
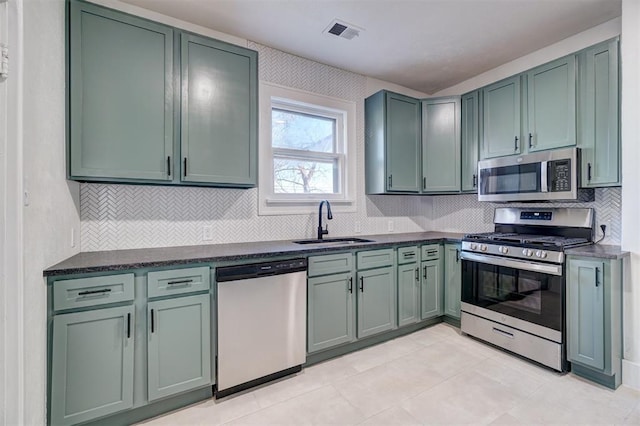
point(541, 176)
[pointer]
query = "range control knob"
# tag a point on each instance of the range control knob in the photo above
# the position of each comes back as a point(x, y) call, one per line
point(473, 246)
point(541, 254)
point(503, 249)
point(483, 247)
point(527, 252)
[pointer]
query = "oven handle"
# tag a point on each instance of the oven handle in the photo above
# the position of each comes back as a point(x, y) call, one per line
point(511, 263)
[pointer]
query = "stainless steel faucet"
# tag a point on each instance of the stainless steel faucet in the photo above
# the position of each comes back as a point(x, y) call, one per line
point(324, 231)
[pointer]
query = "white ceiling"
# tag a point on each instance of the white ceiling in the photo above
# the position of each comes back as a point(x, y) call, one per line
point(425, 45)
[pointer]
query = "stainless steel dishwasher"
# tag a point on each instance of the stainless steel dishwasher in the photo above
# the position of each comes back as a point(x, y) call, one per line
point(262, 317)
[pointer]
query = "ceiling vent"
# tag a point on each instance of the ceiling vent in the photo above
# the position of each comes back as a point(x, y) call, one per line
point(342, 29)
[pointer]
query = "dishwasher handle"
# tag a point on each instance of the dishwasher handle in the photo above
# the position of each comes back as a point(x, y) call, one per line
point(264, 269)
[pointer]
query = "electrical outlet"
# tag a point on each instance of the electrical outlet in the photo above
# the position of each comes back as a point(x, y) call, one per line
point(390, 226)
point(207, 233)
point(358, 227)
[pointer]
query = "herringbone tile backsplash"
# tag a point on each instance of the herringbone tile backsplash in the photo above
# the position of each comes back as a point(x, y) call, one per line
point(128, 216)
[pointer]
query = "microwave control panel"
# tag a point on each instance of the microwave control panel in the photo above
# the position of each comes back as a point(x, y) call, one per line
point(559, 175)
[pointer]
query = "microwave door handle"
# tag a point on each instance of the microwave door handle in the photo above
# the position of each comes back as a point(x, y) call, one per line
point(544, 182)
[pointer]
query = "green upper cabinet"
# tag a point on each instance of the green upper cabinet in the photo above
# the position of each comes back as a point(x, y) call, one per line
point(149, 106)
point(598, 128)
point(470, 138)
point(121, 96)
point(452, 280)
point(179, 345)
point(392, 143)
point(441, 145)
point(92, 357)
point(551, 100)
point(219, 112)
point(501, 118)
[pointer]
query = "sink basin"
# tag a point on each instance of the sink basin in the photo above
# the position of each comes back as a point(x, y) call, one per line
point(334, 241)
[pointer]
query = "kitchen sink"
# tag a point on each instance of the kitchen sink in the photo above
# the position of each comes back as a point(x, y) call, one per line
point(334, 241)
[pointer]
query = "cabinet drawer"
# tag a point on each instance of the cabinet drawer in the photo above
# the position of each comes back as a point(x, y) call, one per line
point(375, 258)
point(408, 255)
point(178, 281)
point(330, 264)
point(83, 292)
point(431, 252)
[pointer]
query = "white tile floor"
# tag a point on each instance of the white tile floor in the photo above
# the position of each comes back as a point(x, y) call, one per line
point(433, 376)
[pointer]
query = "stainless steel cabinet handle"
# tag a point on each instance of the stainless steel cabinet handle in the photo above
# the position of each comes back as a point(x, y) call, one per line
point(597, 281)
point(103, 291)
point(362, 284)
point(179, 282)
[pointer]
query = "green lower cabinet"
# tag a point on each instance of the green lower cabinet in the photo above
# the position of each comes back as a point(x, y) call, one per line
point(594, 318)
point(431, 289)
point(376, 301)
point(452, 280)
point(408, 294)
point(330, 311)
point(179, 345)
point(92, 364)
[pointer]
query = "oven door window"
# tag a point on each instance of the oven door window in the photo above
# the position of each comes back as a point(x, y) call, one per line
point(524, 178)
point(531, 296)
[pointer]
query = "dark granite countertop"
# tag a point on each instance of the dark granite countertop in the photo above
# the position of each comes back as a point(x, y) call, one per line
point(600, 251)
point(118, 260)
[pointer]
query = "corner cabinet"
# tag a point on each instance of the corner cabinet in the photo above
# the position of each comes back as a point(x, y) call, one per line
point(392, 144)
point(470, 141)
point(132, 83)
point(501, 111)
point(441, 145)
point(599, 122)
point(594, 319)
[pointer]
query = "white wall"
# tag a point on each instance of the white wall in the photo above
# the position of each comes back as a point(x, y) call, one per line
point(630, 49)
point(567, 46)
point(53, 206)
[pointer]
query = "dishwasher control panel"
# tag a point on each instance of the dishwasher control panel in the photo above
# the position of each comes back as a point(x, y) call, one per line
point(253, 270)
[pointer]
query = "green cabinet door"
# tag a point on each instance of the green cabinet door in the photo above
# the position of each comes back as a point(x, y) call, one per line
point(441, 145)
point(501, 118)
point(551, 98)
point(402, 130)
point(92, 364)
point(452, 280)
point(470, 136)
point(120, 96)
point(219, 115)
point(179, 345)
point(408, 294)
point(599, 125)
point(431, 298)
point(330, 311)
point(585, 312)
point(376, 301)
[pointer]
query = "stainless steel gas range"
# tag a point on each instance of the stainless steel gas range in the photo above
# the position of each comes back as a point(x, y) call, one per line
point(513, 280)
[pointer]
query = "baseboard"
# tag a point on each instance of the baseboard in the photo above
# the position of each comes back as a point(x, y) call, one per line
point(631, 374)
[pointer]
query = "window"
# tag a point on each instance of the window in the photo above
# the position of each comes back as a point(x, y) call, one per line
point(306, 151)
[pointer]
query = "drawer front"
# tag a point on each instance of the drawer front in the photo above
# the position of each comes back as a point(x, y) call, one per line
point(83, 292)
point(330, 264)
point(375, 258)
point(178, 281)
point(431, 252)
point(408, 255)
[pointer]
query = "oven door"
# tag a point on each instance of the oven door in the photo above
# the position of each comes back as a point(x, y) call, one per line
point(530, 292)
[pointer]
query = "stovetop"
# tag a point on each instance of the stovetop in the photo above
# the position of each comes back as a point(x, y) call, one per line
point(554, 242)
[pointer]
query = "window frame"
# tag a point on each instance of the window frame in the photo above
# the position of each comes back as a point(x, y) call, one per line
point(273, 96)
